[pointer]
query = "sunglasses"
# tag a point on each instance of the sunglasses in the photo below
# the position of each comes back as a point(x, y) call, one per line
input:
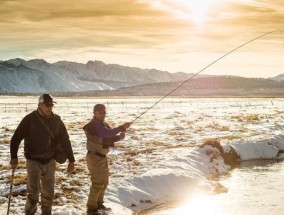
point(49, 105)
point(101, 112)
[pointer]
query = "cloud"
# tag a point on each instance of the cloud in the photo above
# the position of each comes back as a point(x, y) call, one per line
point(105, 22)
point(34, 10)
point(150, 31)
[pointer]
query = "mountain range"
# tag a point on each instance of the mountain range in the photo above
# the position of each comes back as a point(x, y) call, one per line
point(37, 76)
point(97, 78)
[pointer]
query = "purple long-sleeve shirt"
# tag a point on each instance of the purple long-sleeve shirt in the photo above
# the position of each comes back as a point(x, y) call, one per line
point(103, 130)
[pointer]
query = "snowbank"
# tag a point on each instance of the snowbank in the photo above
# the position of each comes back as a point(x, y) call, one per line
point(259, 147)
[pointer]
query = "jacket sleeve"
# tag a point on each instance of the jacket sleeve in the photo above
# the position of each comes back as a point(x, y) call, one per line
point(109, 142)
point(20, 133)
point(65, 141)
point(107, 132)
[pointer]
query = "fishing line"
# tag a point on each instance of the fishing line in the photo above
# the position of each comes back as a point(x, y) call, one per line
point(233, 50)
point(282, 37)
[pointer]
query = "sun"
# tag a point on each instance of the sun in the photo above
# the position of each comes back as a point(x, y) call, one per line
point(195, 10)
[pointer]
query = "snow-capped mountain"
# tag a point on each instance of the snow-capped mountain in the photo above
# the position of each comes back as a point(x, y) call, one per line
point(278, 77)
point(205, 86)
point(36, 76)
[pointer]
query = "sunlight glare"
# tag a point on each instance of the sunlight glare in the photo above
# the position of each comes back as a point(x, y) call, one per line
point(197, 9)
point(200, 204)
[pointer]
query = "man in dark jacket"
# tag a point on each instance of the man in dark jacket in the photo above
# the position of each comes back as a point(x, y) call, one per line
point(99, 138)
point(40, 131)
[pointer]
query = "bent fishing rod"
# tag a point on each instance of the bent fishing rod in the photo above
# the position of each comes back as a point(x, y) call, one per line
point(195, 74)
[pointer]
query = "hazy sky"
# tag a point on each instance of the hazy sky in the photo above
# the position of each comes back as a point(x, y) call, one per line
point(170, 35)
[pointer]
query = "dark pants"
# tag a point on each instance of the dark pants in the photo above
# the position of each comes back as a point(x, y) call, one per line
point(40, 177)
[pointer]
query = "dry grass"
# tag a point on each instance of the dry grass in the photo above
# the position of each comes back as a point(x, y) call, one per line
point(71, 194)
point(135, 163)
point(229, 137)
point(82, 160)
point(21, 165)
point(113, 175)
point(151, 129)
point(6, 140)
point(213, 141)
point(76, 126)
point(129, 159)
point(59, 179)
point(4, 167)
point(2, 201)
point(219, 188)
point(81, 166)
point(20, 179)
point(253, 118)
point(131, 153)
point(147, 151)
point(175, 133)
point(135, 137)
point(120, 145)
point(5, 128)
point(76, 184)
point(156, 143)
point(136, 152)
point(19, 193)
point(242, 130)
point(112, 159)
point(181, 138)
point(217, 127)
point(178, 146)
point(163, 145)
point(79, 169)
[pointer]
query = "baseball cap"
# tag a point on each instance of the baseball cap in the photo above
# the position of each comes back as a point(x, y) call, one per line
point(99, 107)
point(46, 99)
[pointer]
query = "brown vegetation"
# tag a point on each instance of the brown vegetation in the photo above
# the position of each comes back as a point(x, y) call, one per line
point(136, 152)
point(20, 179)
point(4, 167)
point(253, 118)
point(214, 143)
point(229, 137)
point(76, 126)
point(156, 143)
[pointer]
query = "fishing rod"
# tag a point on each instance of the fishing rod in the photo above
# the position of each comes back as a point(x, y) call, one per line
point(282, 37)
point(195, 74)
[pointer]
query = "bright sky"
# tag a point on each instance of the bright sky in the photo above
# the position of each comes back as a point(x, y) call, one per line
point(170, 35)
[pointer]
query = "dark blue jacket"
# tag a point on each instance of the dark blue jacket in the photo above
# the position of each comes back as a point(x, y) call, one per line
point(38, 144)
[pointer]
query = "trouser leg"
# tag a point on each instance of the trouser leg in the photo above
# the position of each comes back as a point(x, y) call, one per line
point(105, 183)
point(98, 169)
point(33, 186)
point(47, 187)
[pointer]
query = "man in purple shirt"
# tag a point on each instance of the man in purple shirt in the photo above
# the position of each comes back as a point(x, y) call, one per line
point(99, 138)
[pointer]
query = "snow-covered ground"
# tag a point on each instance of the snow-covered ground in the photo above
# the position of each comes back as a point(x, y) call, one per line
point(159, 159)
